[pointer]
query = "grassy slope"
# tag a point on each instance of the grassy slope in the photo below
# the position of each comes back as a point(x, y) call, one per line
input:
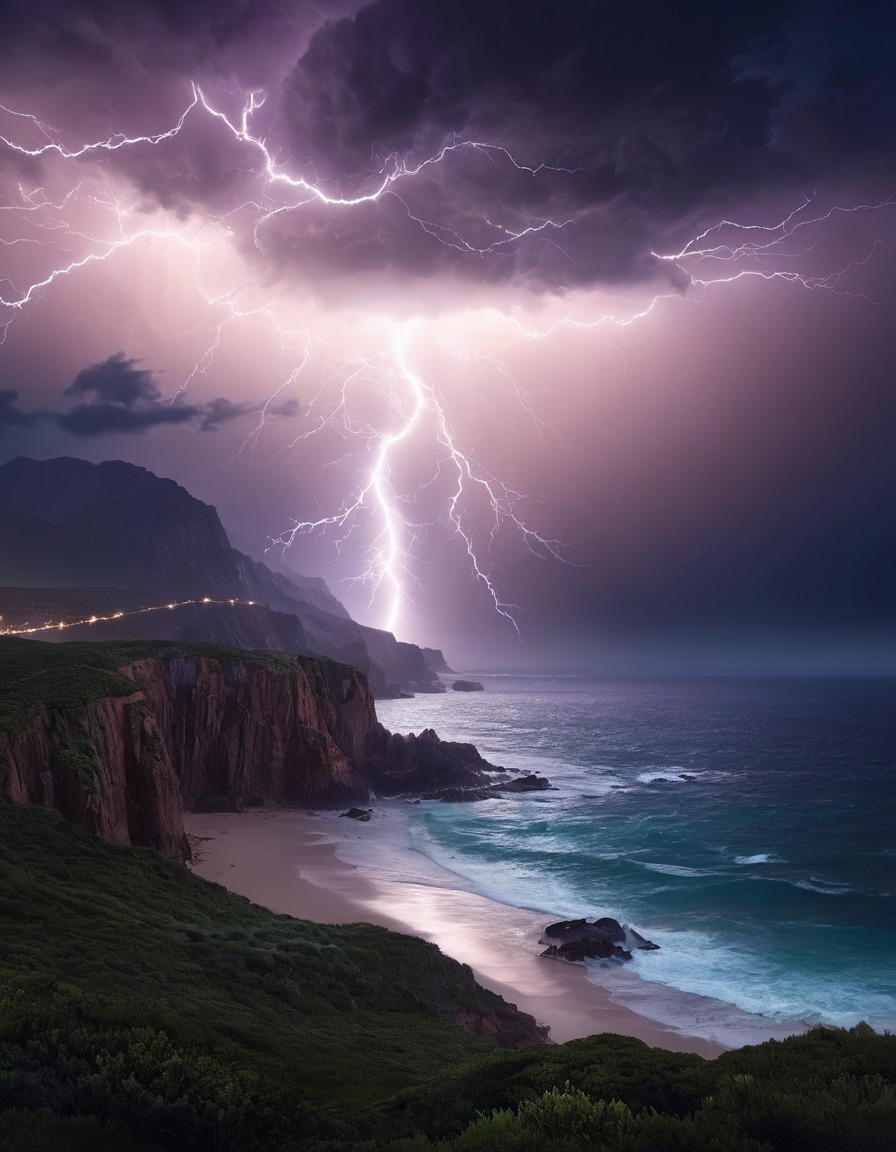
point(156, 1011)
point(35, 674)
point(170, 1014)
point(342, 1013)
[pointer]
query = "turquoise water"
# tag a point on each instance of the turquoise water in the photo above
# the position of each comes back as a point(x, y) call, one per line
point(747, 826)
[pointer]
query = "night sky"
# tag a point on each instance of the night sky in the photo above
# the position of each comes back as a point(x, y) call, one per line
point(583, 308)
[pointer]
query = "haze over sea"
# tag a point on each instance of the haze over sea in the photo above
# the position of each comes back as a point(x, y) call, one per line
point(746, 826)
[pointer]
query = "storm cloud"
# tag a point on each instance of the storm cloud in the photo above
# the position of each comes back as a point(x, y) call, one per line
point(11, 415)
point(629, 127)
point(126, 399)
point(413, 223)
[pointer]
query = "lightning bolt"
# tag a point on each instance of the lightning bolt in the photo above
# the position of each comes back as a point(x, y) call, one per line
point(40, 224)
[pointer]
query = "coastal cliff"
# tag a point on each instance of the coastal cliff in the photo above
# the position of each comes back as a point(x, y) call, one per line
point(122, 737)
point(143, 731)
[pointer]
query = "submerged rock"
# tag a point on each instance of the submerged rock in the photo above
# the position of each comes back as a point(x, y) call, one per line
point(462, 795)
point(528, 783)
point(492, 791)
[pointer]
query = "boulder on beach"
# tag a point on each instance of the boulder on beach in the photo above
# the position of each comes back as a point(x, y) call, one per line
point(602, 939)
point(363, 814)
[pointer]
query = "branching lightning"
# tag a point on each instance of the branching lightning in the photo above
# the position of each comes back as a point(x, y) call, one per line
point(52, 229)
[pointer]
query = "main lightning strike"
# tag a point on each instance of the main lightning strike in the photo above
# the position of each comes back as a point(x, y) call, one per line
point(763, 251)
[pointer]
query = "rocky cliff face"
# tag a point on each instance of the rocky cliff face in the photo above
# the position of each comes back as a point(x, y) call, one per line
point(197, 731)
point(121, 737)
point(105, 766)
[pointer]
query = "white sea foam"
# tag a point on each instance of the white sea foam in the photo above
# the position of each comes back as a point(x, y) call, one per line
point(702, 987)
point(677, 869)
point(649, 810)
point(825, 887)
point(664, 775)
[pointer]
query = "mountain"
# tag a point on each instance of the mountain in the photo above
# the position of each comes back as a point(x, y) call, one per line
point(314, 589)
point(69, 524)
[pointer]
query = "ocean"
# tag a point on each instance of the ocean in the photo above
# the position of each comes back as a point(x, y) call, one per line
point(748, 827)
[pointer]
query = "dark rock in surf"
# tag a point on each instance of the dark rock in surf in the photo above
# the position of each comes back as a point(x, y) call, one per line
point(577, 951)
point(603, 939)
point(362, 814)
point(529, 783)
point(462, 795)
point(636, 940)
point(455, 795)
point(467, 686)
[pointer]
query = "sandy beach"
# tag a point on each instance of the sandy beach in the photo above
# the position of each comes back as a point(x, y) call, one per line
point(286, 860)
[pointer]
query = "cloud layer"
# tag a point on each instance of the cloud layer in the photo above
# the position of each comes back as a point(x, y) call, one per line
point(118, 397)
point(630, 126)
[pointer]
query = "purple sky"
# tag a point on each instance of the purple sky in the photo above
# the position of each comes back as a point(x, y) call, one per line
point(427, 269)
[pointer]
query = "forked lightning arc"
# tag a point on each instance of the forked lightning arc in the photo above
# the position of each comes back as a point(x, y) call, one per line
point(720, 254)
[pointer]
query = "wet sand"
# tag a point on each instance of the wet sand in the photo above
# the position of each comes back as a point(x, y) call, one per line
point(286, 860)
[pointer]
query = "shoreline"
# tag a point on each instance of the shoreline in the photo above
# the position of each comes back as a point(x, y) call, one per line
point(287, 861)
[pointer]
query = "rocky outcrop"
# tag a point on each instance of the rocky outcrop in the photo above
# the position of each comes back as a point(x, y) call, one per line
point(435, 660)
point(604, 939)
point(422, 763)
point(211, 729)
point(106, 767)
point(466, 795)
point(467, 686)
point(249, 730)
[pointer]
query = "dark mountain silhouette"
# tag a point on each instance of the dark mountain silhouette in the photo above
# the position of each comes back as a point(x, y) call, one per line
point(67, 524)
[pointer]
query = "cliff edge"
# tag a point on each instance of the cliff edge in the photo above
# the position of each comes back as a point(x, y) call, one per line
point(121, 737)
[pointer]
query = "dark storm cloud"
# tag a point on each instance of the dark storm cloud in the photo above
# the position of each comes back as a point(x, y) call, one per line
point(660, 118)
point(664, 114)
point(158, 38)
point(100, 419)
point(11, 415)
point(126, 399)
point(115, 381)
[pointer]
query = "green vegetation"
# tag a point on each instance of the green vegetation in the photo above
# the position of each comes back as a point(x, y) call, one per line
point(143, 1009)
point(828, 1089)
point(132, 991)
point(36, 675)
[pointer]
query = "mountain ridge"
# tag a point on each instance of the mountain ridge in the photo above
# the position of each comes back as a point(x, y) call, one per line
point(68, 523)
